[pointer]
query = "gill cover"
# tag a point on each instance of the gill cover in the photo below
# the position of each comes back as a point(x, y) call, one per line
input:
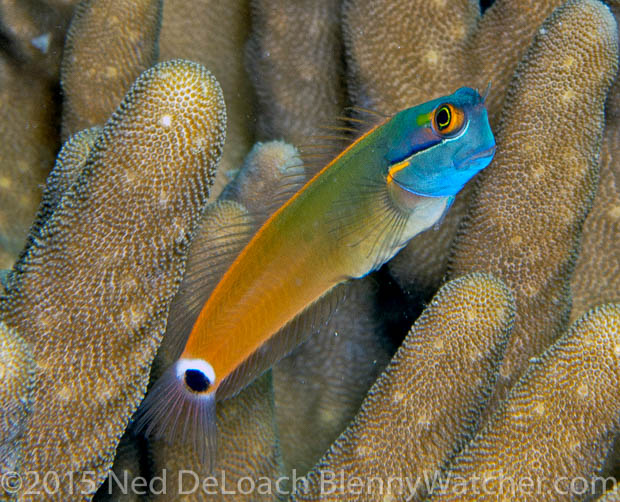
point(438, 146)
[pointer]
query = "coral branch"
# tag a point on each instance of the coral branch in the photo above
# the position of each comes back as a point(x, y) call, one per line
point(93, 291)
point(556, 425)
point(529, 208)
point(426, 404)
point(94, 81)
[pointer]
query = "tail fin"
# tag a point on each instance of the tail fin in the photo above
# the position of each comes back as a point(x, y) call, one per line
point(180, 408)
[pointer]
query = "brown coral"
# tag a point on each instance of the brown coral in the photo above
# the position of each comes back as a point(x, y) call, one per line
point(553, 428)
point(92, 293)
point(294, 59)
point(531, 202)
point(28, 147)
point(427, 402)
point(17, 377)
point(247, 449)
point(597, 272)
point(319, 388)
point(214, 33)
point(95, 81)
point(69, 164)
point(271, 173)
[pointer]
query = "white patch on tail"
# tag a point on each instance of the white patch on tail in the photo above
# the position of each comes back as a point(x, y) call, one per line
point(174, 412)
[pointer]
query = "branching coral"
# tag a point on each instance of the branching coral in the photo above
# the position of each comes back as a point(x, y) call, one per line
point(129, 32)
point(571, 380)
point(427, 402)
point(94, 340)
point(597, 272)
point(68, 166)
point(94, 310)
point(294, 58)
point(530, 205)
point(29, 144)
point(270, 174)
point(214, 33)
point(17, 376)
point(320, 386)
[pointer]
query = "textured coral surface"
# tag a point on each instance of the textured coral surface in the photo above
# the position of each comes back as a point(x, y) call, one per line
point(534, 250)
point(129, 32)
point(87, 304)
point(93, 310)
point(571, 379)
point(427, 402)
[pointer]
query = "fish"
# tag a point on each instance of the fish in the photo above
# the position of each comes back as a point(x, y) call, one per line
point(393, 182)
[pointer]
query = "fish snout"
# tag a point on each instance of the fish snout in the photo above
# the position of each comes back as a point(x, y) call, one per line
point(478, 160)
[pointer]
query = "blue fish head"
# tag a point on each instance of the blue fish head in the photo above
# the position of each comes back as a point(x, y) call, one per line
point(440, 145)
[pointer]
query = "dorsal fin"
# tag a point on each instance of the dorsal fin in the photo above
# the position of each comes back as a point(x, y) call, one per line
point(344, 130)
point(308, 322)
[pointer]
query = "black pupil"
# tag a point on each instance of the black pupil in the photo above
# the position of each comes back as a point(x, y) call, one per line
point(443, 118)
point(196, 380)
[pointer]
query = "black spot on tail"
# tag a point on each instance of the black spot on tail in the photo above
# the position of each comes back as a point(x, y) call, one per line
point(196, 380)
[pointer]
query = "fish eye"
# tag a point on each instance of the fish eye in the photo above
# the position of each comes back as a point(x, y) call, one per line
point(448, 119)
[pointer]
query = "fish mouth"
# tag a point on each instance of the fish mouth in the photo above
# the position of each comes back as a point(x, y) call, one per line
point(409, 190)
point(481, 155)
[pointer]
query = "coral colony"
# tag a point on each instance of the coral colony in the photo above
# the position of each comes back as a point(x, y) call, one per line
point(481, 363)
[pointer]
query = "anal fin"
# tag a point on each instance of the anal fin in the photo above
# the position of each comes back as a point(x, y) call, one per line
point(298, 330)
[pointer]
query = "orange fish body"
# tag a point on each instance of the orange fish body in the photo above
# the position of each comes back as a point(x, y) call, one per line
point(355, 214)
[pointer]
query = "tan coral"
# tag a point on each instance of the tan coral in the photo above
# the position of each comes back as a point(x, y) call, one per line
point(531, 202)
point(94, 81)
point(294, 58)
point(124, 483)
point(271, 173)
point(214, 33)
point(320, 386)
point(16, 386)
point(69, 164)
point(426, 404)
point(29, 144)
point(597, 272)
point(91, 297)
point(556, 425)
point(396, 62)
point(612, 495)
point(247, 453)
